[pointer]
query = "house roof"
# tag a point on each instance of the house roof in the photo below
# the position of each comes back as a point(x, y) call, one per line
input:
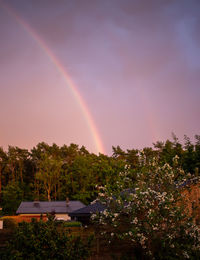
point(194, 180)
point(42, 207)
point(90, 209)
point(95, 206)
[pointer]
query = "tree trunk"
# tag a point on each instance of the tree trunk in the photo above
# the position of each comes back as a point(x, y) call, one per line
point(55, 196)
point(21, 175)
point(0, 182)
point(13, 172)
point(48, 194)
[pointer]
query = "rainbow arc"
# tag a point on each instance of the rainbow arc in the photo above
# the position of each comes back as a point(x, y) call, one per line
point(68, 80)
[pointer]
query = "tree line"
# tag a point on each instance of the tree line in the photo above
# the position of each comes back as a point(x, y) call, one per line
point(50, 172)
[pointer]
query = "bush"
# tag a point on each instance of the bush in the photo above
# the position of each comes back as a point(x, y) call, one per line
point(44, 240)
point(65, 223)
point(9, 223)
point(72, 224)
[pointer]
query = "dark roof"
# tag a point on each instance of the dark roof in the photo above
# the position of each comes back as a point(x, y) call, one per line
point(90, 209)
point(96, 206)
point(188, 182)
point(42, 207)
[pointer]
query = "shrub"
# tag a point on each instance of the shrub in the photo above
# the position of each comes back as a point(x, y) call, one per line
point(72, 224)
point(9, 223)
point(44, 240)
point(68, 223)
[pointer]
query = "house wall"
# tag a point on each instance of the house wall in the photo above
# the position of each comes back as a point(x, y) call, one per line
point(191, 197)
point(1, 224)
point(31, 215)
point(26, 218)
point(63, 216)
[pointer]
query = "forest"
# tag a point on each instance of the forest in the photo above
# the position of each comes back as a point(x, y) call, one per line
point(50, 172)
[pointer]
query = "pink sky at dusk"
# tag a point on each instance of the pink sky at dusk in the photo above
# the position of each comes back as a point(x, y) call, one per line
point(135, 64)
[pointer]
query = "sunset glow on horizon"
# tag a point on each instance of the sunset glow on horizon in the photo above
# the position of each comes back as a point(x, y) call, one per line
point(98, 73)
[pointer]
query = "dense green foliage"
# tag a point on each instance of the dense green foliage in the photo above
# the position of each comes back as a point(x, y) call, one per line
point(69, 223)
point(50, 172)
point(45, 240)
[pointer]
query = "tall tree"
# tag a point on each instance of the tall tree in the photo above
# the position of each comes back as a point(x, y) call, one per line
point(48, 174)
point(3, 163)
point(12, 196)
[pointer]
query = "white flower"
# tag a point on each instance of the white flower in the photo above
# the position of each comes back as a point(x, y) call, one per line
point(185, 254)
point(135, 221)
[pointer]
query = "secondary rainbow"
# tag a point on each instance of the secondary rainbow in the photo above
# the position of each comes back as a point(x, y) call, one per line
point(91, 125)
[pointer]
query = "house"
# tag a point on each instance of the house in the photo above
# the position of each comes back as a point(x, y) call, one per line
point(83, 214)
point(61, 209)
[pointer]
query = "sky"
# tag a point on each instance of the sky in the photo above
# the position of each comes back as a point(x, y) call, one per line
point(99, 73)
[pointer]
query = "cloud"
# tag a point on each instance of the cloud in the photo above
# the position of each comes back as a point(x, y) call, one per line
point(129, 58)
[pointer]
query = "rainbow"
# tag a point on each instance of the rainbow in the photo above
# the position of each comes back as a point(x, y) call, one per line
point(69, 82)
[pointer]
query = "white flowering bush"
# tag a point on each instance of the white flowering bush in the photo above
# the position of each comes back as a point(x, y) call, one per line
point(149, 214)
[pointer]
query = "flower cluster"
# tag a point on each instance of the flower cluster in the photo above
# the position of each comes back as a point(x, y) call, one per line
point(148, 212)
